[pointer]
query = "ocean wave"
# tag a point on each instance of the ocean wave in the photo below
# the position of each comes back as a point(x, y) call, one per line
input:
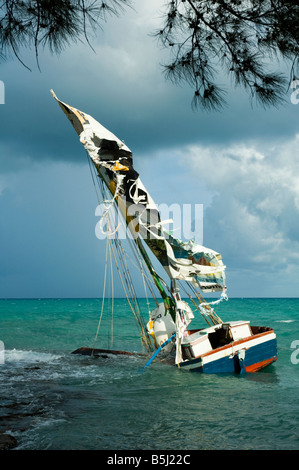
point(284, 321)
point(28, 356)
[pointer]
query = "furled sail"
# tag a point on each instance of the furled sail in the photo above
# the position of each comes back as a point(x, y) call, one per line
point(113, 160)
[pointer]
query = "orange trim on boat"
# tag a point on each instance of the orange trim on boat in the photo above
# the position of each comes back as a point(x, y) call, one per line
point(236, 343)
point(260, 365)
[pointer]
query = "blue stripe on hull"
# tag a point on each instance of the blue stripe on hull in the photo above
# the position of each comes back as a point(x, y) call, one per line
point(262, 352)
point(223, 365)
point(254, 355)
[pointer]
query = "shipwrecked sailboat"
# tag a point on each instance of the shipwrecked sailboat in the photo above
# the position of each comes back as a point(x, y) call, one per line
point(221, 347)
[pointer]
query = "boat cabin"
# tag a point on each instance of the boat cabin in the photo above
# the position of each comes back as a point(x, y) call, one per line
point(199, 342)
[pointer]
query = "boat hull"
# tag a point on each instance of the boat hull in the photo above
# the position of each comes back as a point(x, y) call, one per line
point(247, 355)
point(104, 353)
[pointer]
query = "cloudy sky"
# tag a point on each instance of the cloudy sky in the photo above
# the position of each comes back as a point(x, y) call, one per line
point(242, 164)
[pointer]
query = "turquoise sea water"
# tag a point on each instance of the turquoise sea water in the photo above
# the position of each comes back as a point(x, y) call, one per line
point(51, 399)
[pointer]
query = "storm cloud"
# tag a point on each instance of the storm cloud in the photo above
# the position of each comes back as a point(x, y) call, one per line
point(241, 163)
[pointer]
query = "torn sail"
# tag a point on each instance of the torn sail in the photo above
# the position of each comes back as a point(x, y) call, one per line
point(114, 163)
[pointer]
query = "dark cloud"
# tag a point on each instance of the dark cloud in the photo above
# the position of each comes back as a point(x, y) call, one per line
point(122, 86)
point(45, 193)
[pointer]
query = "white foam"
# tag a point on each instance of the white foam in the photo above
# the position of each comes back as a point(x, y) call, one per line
point(285, 321)
point(32, 357)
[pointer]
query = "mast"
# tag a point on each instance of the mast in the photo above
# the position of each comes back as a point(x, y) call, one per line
point(186, 261)
point(168, 301)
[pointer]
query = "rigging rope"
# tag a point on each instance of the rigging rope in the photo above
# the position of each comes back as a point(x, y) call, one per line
point(123, 270)
point(126, 280)
point(204, 305)
point(103, 299)
point(146, 279)
point(112, 298)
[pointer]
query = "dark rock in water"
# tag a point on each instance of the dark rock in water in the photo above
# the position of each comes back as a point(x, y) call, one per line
point(7, 441)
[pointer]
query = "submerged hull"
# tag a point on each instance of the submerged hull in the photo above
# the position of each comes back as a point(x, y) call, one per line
point(245, 355)
point(104, 353)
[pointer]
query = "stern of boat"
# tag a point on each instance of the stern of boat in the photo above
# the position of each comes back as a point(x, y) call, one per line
point(233, 347)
